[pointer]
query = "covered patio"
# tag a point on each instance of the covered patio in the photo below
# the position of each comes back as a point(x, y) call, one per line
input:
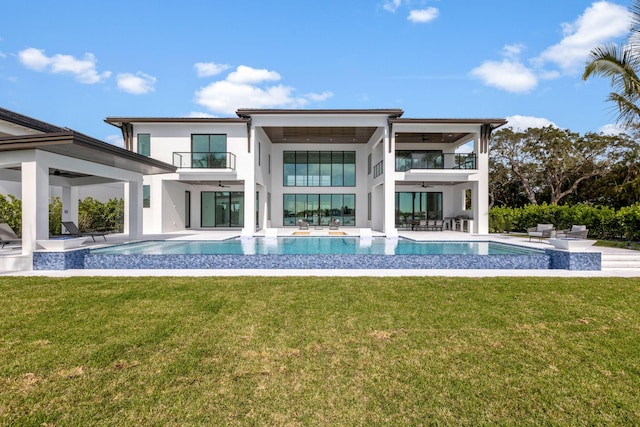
point(39, 156)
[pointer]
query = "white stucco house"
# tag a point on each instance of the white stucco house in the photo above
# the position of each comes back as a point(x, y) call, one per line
point(271, 168)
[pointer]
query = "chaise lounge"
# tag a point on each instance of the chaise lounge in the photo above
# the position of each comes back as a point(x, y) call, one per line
point(7, 235)
point(73, 230)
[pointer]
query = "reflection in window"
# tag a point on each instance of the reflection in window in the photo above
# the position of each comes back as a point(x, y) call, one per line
point(319, 209)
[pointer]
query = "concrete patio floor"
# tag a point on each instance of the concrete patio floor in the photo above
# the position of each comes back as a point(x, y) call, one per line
point(629, 269)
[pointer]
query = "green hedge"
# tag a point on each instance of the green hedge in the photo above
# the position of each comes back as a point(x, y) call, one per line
point(603, 222)
point(92, 214)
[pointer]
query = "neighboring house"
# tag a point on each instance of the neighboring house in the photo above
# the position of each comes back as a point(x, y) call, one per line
point(271, 168)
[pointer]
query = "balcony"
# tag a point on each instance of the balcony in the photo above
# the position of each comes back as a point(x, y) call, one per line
point(204, 160)
point(407, 160)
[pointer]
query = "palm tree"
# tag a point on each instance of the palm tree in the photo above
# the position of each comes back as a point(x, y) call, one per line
point(622, 65)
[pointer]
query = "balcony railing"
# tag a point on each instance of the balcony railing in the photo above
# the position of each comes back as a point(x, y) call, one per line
point(418, 160)
point(378, 169)
point(204, 160)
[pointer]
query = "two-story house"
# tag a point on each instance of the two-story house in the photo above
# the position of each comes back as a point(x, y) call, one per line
point(367, 168)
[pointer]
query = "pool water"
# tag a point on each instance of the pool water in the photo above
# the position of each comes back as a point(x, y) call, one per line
point(314, 246)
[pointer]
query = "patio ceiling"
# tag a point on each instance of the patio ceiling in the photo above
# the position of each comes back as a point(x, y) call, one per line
point(318, 135)
point(432, 138)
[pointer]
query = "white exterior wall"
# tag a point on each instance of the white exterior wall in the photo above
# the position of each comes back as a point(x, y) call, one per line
point(167, 204)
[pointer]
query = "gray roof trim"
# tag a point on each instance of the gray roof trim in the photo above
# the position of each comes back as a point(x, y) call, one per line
point(391, 112)
point(118, 121)
point(493, 121)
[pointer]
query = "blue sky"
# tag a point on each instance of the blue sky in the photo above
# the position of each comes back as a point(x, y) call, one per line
point(73, 63)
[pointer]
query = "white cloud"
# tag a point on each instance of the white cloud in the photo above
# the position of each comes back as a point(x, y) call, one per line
point(600, 23)
point(507, 75)
point(319, 96)
point(116, 140)
point(3, 55)
point(208, 69)
point(199, 114)
point(423, 15)
point(513, 50)
point(248, 75)
point(248, 87)
point(137, 84)
point(391, 5)
point(84, 69)
point(522, 123)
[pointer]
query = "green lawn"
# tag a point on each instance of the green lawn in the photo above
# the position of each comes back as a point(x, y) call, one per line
point(319, 351)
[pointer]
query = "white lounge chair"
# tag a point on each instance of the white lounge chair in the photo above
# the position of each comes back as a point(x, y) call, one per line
point(7, 235)
point(541, 231)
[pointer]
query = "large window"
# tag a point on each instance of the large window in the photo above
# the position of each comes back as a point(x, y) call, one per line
point(319, 209)
point(418, 205)
point(209, 151)
point(144, 144)
point(406, 160)
point(319, 169)
point(222, 209)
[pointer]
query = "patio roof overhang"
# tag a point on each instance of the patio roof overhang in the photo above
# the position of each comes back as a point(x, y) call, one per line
point(76, 145)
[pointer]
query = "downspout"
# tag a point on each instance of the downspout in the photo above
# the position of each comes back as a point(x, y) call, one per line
point(249, 136)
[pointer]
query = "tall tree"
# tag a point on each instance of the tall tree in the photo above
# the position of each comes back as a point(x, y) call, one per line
point(622, 65)
point(553, 161)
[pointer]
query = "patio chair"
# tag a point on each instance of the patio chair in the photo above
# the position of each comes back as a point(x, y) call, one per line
point(7, 235)
point(334, 224)
point(73, 230)
point(541, 231)
point(575, 232)
point(421, 225)
point(438, 225)
point(303, 225)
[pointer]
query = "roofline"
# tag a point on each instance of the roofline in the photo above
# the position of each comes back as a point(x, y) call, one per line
point(493, 121)
point(28, 122)
point(248, 112)
point(118, 121)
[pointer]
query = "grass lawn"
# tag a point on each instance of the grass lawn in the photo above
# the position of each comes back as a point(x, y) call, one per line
point(319, 351)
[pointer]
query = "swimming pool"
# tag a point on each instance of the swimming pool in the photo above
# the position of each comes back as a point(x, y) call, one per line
point(327, 253)
point(315, 246)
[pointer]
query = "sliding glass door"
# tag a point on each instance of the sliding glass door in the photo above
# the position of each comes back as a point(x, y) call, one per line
point(222, 209)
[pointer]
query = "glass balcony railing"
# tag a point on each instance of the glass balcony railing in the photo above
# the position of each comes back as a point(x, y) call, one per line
point(204, 160)
point(428, 160)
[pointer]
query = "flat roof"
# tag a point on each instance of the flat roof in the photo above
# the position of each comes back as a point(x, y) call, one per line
point(391, 112)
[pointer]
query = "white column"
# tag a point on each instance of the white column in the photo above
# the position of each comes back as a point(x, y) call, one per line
point(133, 208)
point(250, 190)
point(480, 196)
point(35, 204)
point(389, 183)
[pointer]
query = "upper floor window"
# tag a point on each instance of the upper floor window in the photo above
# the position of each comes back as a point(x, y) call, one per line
point(209, 150)
point(319, 169)
point(144, 144)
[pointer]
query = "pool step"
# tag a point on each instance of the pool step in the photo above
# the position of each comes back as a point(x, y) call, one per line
point(621, 261)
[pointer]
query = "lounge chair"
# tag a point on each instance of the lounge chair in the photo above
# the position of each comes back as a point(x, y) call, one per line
point(334, 224)
point(7, 235)
point(73, 230)
point(303, 225)
point(575, 232)
point(541, 231)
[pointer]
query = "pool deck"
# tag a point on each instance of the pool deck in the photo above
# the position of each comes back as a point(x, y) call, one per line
point(630, 267)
